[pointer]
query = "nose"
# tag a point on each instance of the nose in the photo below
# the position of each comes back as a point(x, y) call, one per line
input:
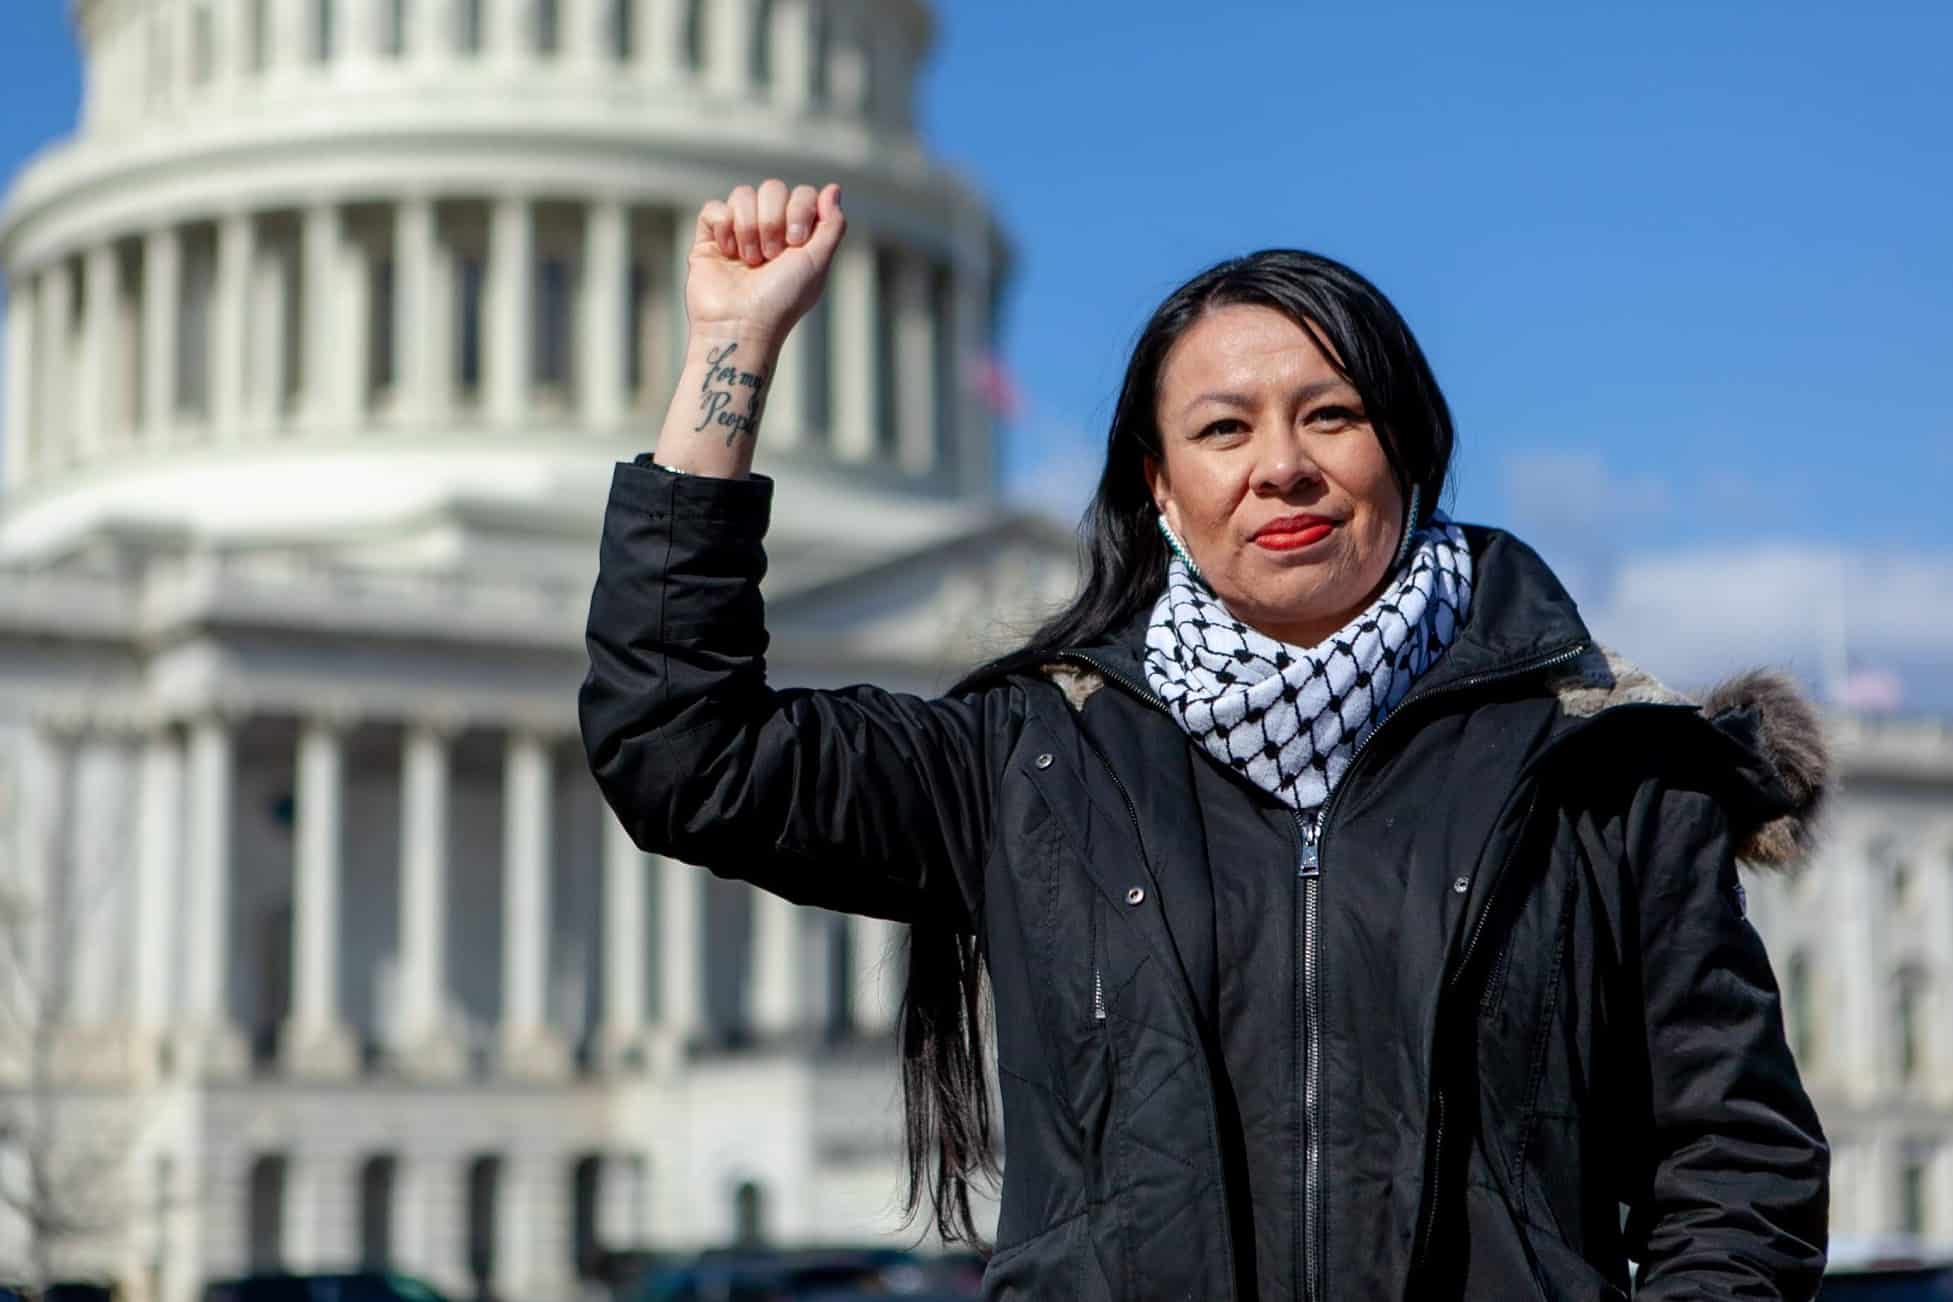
point(1282, 464)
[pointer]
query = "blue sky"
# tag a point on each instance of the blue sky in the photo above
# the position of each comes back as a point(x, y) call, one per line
point(1684, 270)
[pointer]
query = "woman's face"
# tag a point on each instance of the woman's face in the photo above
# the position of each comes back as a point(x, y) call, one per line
point(1271, 474)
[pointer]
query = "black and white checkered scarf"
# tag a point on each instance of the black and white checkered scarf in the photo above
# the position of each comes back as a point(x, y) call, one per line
point(1289, 718)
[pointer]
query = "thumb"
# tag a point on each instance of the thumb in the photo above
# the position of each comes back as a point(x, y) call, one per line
point(830, 224)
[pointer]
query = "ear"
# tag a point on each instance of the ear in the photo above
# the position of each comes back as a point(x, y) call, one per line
point(1159, 489)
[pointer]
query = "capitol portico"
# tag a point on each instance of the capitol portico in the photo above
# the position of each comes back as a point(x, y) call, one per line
point(323, 331)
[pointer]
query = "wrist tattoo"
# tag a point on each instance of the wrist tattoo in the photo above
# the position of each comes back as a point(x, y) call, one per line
point(722, 385)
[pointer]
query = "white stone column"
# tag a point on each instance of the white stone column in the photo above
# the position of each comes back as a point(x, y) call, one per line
point(101, 420)
point(432, 26)
point(848, 70)
point(162, 288)
point(529, 1048)
point(511, 314)
point(660, 30)
point(414, 361)
point(504, 35)
point(793, 51)
point(316, 1042)
point(323, 344)
point(606, 273)
point(359, 33)
point(271, 289)
point(915, 364)
point(728, 46)
point(23, 385)
point(353, 303)
point(874, 961)
point(681, 920)
point(772, 1005)
point(429, 1043)
point(285, 46)
point(626, 870)
point(159, 880)
point(852, 302)
point(230, 324)
point(213, 1044)
point(57, 310)
point(585, 25)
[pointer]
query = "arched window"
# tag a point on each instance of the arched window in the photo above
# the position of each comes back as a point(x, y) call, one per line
point(394, 39)
point(555, 322)
point(1908, 1022)
point(467, 26)
point(693, 50)
point(264, 1214)
point(748, 1214)
point(623, 30)
point(586, 1196)
point(324, 14)
point(549, 26)
point(759, 49)
point(484, 1190)
point(1915, 1190)
point(376, 1182)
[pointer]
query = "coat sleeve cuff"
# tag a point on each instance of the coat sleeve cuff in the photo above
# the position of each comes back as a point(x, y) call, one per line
point(743, 505)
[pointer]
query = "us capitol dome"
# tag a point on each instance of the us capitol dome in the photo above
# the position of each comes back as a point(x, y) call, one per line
point(323, 332)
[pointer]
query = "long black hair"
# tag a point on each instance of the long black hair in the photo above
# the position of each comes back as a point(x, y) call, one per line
point(946, 1098)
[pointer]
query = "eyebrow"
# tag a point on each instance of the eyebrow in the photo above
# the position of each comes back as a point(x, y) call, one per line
point(1230, 398)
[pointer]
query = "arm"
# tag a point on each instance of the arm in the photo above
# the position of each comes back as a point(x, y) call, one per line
point(1733, 1200)
point(860, 799)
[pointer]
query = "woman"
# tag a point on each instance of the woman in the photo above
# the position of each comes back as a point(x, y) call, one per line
point(1356, 928)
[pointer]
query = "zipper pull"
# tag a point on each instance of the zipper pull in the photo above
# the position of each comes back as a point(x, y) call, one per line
point(1098, 995)
point(1311, 858)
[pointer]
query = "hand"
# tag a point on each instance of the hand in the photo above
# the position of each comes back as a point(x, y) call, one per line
point(759, 259)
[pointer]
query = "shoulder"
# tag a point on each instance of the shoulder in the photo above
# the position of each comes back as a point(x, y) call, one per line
point(1754, 741)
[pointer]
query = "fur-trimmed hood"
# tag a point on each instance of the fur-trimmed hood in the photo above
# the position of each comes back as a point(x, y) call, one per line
point(1763, 711)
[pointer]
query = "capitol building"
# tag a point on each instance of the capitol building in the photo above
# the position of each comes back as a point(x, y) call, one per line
point(323, 332)
point(318, 947)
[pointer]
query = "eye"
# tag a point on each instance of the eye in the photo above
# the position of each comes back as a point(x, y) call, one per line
point(1223, 426)
point(1335, 415)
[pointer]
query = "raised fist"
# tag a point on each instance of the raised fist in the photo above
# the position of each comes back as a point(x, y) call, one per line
point(760, 257)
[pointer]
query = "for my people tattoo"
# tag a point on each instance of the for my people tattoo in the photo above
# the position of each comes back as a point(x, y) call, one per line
point(722, 383)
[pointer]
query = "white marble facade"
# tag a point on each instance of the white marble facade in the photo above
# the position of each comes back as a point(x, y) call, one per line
point(323, 332)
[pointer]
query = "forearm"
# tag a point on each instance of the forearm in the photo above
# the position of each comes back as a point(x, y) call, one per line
point(713, 420)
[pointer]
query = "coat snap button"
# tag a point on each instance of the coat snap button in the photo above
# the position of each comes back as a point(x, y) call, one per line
point(1137, 895)
point(1462, 885)
point(1044, 760)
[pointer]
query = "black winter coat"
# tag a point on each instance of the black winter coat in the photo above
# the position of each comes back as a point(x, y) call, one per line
point(1505, 1032)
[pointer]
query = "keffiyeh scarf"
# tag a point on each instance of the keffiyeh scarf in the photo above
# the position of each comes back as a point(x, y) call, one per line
point(1290, 718)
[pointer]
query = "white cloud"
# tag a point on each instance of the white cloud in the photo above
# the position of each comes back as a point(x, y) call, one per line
point(1695, 614)
point(1692, 614)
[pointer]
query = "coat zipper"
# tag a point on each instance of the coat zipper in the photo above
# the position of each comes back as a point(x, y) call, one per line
point(1308, 1048)
point(1308, 1007)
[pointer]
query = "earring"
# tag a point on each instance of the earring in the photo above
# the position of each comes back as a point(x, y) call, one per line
point(1410, 526)
point(1173, 542)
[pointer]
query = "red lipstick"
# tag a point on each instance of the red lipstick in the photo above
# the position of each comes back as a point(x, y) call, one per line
point(1293, 532)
